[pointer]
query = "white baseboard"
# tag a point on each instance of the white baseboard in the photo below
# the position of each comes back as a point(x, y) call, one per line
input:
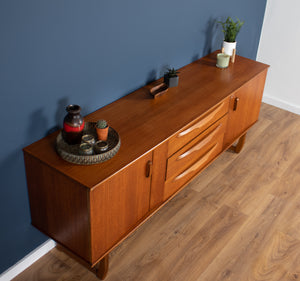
point(281, 104)
point(28, 260)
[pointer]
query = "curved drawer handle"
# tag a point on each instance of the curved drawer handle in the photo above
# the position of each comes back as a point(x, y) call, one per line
point(206, 119)
point(202, 143)
point(198, 164)
point(149, 169)
point(235, 105)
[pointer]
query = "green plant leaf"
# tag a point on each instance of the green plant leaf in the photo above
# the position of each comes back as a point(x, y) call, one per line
point(230, 28)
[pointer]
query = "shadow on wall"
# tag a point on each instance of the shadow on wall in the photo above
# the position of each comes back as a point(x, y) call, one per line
point(213, 37)
point(213, 41)
point(154, 74)
point(195, 57)
point(38, 126)
point(14, 190)
point(59, 115)
point(13, 164)
point(16, 223)
point(38, 123)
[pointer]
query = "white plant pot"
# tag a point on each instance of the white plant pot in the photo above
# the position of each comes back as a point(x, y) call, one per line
point(229, 47)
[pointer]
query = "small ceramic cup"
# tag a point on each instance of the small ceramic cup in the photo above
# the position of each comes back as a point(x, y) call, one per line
point(222, 60)
point(86, 149)
point(88, 139)
point(100, 146)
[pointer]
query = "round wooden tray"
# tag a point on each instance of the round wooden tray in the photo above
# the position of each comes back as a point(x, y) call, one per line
point(71, 154)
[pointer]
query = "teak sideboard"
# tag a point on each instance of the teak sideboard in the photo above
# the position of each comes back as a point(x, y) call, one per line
point(165, 143)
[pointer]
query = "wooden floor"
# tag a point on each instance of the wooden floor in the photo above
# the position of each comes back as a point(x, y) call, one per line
point(239, 220)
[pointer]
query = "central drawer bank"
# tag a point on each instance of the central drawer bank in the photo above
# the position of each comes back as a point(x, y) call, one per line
point(165, 143)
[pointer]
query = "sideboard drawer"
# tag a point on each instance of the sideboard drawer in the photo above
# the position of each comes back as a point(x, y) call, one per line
point(193, 150)
point(194, 129)
point(194, 156)
point(90, 210)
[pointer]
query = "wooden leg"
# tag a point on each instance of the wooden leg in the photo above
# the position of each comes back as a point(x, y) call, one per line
point(240, 144)
point(102, 267)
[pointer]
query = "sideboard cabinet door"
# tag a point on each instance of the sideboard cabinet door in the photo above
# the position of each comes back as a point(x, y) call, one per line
point(244, 106)
point(118, 205)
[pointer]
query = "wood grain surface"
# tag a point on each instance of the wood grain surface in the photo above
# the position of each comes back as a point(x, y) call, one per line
point(238, 220)
point(118, 206)
point(143, 122)
point(244, 107)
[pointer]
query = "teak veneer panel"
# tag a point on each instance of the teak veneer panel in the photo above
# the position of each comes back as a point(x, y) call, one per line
point(265, 246)
point(198, 126)
point(194, 157)
point(143, 122)
point(59, 206)
point(90, 209)
point(196, 148)
point(160, 155)
point(247, 108)
point(120, 202)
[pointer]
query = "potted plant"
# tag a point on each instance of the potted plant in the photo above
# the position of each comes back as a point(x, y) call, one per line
point(102, 130)
point(171, 78)
point(230, 29)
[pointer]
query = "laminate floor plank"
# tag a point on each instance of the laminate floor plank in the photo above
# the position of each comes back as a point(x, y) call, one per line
point(275, 114)
point(225, 159)
point(279, 259)
point(238, 220)
point(201, 250)
point(288, 189)
point(166, 241)
point(271, 158)
point(47, 268)
point(236, 260)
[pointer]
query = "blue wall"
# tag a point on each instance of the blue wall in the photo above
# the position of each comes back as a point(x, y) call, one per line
point(89, 52)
